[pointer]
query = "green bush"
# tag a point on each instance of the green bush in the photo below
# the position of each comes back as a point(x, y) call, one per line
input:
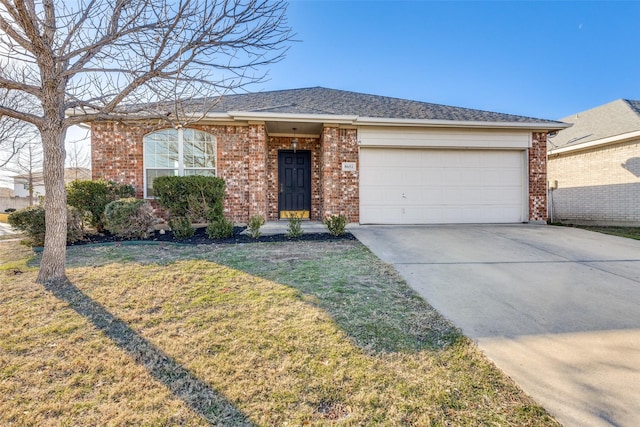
point(92, 197)
point(255, 222)
point(336, 224)
point(130, 218)
point(220, 229)
point(195, 197)
point(31, 222)
point(181, 227)
point(294, 228)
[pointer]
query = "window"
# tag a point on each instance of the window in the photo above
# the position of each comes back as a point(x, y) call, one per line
point(178, 152)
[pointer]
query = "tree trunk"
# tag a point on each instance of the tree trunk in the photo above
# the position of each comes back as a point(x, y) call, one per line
point(30, 184)
point(55, 241)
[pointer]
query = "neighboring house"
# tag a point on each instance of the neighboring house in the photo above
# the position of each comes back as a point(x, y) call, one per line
point(317, 152)
point(595, 165)
point(21, 182)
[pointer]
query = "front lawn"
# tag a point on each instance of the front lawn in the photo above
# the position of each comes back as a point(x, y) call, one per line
point(297, 333)
point(628, 232)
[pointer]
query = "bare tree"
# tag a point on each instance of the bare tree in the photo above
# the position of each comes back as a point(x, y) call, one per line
point(14, 133)
point(111, 59)
point(27, 163)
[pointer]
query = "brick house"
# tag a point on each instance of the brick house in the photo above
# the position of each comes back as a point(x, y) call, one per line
point(320, 151)
point(594, 166)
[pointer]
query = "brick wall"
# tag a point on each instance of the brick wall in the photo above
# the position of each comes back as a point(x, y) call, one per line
point(117, 155)
point(340, 189)
point(257, 171)
point(248, 162)
point(538, 177)
point(600, 185)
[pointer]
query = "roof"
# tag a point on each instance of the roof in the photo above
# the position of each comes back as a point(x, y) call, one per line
point(603, 124)
point(323, 101)
point(70, 174)
point(322, 105)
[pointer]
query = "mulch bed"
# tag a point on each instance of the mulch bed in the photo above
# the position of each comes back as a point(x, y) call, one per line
point(200, 238)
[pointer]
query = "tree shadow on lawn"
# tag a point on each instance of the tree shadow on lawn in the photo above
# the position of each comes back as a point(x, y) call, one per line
point(198, 395)
point(367, 298)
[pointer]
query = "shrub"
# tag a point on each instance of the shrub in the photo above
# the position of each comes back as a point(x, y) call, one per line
point(181, 227)
point(92, 197)
point(336, 224)
point(220, 228)
point(255, 222)
point(9, 210)
point(294, 228)
point(130, 218)
point(195, 197)
point(31, 222)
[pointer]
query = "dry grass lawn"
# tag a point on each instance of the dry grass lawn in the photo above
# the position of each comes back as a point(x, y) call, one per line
point(317, 333)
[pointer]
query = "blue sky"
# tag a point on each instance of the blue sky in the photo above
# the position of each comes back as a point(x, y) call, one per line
point(534, 58)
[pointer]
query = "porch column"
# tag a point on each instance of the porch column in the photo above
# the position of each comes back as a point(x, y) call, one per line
point(340, 191)
point(257, 174)
point(538, 177)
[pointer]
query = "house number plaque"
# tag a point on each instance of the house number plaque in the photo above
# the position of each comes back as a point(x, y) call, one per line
point(348, 166)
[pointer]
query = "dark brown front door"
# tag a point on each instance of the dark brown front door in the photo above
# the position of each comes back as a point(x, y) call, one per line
point(294, 183)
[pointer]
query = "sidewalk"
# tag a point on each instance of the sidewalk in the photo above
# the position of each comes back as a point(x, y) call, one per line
point(280, 227)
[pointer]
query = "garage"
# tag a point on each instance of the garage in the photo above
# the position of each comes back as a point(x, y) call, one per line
point(414, 184)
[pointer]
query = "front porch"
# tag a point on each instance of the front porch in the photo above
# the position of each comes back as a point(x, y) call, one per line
point(314, 188)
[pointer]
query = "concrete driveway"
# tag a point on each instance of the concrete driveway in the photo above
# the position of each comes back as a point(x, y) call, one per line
point(557, 309)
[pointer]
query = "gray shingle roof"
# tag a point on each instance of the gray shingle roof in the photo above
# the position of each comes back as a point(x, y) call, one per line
point(322, 101)
point(635, 105)
point(608, 120)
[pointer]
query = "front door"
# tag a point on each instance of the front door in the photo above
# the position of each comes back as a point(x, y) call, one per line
point(294, 183)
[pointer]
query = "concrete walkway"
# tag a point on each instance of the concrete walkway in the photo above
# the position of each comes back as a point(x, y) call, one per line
point(281, 227)
point(557, 309)
point(6, 230)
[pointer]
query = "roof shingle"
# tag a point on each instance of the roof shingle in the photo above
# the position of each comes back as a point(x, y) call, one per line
point(323, 101)
point(615, 118)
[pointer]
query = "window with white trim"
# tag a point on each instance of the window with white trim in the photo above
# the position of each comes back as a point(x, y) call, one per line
point(177, 152)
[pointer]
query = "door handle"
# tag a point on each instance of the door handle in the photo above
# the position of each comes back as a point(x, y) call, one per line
point(282, 188)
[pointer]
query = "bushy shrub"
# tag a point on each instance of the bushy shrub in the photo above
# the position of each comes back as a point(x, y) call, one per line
point(336, 224)
point(31, 222)
point(220, 229)
point(181, 227)
point(9, 210)
point(255, 222)
point(130, 218)
point(92, 197)
point(294, 228)
point(195, 197)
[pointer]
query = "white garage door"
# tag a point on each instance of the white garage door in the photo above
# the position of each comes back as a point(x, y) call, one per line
point(438, 186)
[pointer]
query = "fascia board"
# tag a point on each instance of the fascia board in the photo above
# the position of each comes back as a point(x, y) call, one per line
point(374, 121)
point(598, 142)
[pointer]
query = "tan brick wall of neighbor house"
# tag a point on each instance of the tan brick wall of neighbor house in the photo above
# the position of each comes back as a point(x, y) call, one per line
point(117, 155)
point(340, 189)
point(538, 177)
point(284, 143)
point(600, 185)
